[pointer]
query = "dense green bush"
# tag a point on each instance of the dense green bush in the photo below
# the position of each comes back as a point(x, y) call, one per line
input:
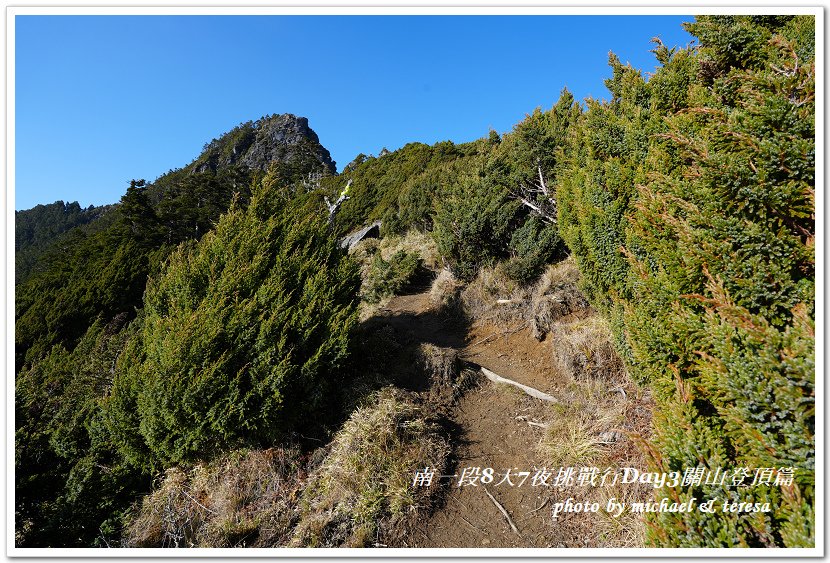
point(605, 162)
point(70, 488)
point(415, 202)
point(102, 268)
point(389, 277)
point(533, 246)
point(243, 335)
point(469, 195)
point(473, 222)
point(502, 211)
point(689, 206)
point(37, 230)
point(398, 187)
point(733, 235)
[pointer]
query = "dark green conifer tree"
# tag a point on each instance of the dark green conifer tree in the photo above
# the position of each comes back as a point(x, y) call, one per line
point(243, 335)
point(689, 205)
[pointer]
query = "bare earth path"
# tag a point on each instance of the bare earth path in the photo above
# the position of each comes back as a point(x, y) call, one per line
point(493, 434)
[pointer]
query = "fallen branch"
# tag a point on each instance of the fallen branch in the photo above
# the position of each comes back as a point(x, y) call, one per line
point(540, 507)
point(476, 528)
point(532, 422)
point(496, 378)
point(483, 340)
point(503, 511)
point(185, 493)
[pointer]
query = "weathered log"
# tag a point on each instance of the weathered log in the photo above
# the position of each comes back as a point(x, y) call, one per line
point(496, 378)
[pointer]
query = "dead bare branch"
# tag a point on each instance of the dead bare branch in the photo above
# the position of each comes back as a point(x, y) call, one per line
point(496, 378)
point(334, 207)
point(503, 512)
point(544, 207)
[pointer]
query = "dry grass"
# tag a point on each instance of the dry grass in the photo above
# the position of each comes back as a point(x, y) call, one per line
point(578, 436)
point(412, 242)
point(604, 412)
point(577, 432)
point(246, 498)
point(480, 298)
point(443, 293)
point(440, 365)
point(366, 310)
point(583, 350)
point(364, 252)
point(554, 298)
point(360, 489)
point(574, 440)
point(628, 529)
point(364, 485)
point(447, 377)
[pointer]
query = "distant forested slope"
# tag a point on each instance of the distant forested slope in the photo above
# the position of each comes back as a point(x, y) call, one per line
point(39, 228)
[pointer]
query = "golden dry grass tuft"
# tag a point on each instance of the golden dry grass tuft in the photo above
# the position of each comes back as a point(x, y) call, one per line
point(440, 365)
point(413, 242)
point(575, 439)
point(554, 298)
point(443, 293)
point(628, 528)
point(361, 487)
point(480, 298)
point(605, 413)
point(245, 498)
point(583, 350)
point(364, 485)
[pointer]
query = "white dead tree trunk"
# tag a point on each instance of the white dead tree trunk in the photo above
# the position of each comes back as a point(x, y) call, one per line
point(334, 206)
point(544, 207)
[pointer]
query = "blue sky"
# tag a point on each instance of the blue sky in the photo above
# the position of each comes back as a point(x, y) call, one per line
point(104, 99)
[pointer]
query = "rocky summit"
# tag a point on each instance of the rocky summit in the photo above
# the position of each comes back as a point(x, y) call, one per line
point(257, 144)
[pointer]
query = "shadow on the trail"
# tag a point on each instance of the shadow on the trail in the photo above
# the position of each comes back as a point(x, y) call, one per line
point(390, 343)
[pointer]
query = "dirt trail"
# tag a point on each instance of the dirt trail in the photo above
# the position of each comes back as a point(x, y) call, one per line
point(493, 431)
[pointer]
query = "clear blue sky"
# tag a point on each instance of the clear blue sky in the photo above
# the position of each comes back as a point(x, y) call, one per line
point(103, 99)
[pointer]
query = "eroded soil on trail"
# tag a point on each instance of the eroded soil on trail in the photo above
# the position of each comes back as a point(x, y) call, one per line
point(497, 427)
point(495, 436)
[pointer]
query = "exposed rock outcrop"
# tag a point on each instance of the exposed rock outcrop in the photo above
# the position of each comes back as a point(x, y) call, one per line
point(282, 138)
point(370, 231)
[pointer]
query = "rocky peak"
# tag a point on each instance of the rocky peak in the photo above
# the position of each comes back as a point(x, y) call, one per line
point(278, 138)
